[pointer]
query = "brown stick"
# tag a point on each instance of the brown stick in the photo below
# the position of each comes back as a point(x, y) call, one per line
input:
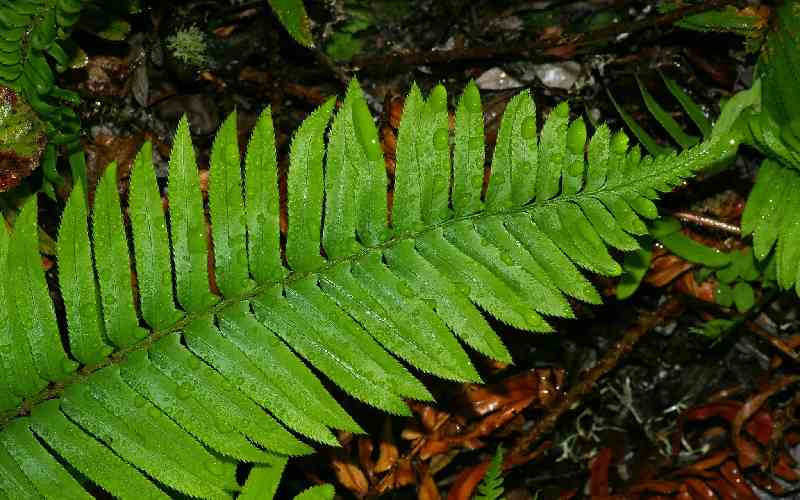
point(707, 222)
point(533, 50)
point(775, 341)
point(670, 308)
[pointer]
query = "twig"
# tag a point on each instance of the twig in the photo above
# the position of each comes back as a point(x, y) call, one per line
point(707, 222)
point(646, 322)
point(533, 50)
point(775, 341)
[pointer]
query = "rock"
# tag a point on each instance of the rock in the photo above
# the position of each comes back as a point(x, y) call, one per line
point(497, 79)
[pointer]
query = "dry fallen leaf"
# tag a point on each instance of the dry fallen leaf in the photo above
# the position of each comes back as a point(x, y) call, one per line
point(350, 475)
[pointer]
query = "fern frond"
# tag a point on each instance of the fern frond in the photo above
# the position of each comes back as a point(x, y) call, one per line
point(198, 381)
point(30, 32)
point(491, 487)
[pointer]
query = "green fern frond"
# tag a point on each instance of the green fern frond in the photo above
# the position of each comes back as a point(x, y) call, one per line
point(491, 487)
point(182, 397)
point(32, 33)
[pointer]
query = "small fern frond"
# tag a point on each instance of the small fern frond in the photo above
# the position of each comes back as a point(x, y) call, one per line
point(221, 344)
point(770, 216)
point(770, 212)
point(491, 487)
point(30, 32)
point(664, 118)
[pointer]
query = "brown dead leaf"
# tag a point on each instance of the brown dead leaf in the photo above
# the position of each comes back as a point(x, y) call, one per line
point(467, 481)
point(702, 291)
point(665, 268)
point(471, 440)
point(747, 452)
point(402, 475)
point(484, 399)
point(732, 474)
point(387, 450)
point(427, 489)
point(108, 148)
point(106, 76)
point(562, 51)
point(350, 475)
point(365, 448)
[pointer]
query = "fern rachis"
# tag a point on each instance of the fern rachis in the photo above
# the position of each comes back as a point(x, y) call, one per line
point(206, 364)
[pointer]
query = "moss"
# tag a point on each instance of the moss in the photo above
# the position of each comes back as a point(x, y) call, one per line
point(189, 46)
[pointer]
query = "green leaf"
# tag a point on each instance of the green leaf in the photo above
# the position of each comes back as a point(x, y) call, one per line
point(262, 482)
point(557, 265)
point(305, 184)
point(486, 289)
point(49, 478)
point(319, 492)
point(113, 263)
point(692, 109)
point(434, 149)
point(514, 164)
point(336, 346)
point(87, 337)
point(115, 29)
point(231, 409)
point(135, 429)
point(646, 139)
point(262, 204)
point(150, 243)
point(491, 486)
point(675, 131)
point(469, 152)
point(293, 17)
point(686, 248)
point(32, 308)
point(369, 298)
point(634, 268)
point(18, 371)
point(90, 457)
point(451, 303)
point(604, 156)
point(341, 202)
point(723, 295)
point(552, 151)
point(368, 359)
point(187, 224)
point(574, 162)
point(743, 296)
point(301, 399)
point(367, 157)
point(12, 480)
point(228, 221)
point(432, 335)
point(176, 401)
point(407, 205)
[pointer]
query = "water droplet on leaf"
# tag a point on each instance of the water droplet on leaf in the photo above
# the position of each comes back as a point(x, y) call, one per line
point(528, 129)
point(441, 139)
